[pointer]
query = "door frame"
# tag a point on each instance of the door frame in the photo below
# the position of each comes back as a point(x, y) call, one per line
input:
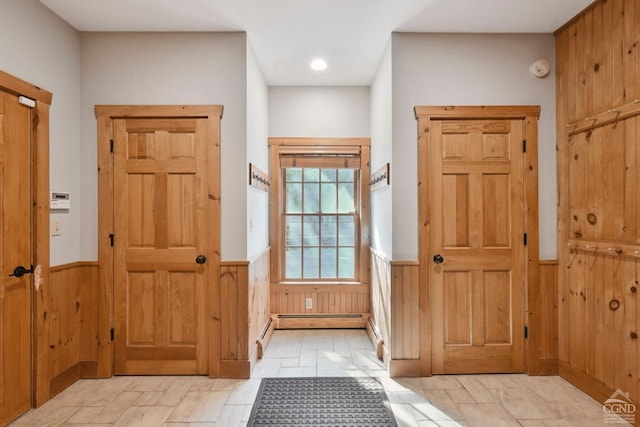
point(105, 114)
point(530, 116)
point(40, 360)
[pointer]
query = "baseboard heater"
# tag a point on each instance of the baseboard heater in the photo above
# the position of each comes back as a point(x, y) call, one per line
point(320, 316)
point(376, 338)
point(265, 336)
point(321, 320)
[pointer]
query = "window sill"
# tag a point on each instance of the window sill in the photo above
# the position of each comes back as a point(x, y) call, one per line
point(320, 283)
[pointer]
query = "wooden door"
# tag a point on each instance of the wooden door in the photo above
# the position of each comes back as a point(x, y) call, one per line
point(15, 250)
point(160, 229)
point(477, 287)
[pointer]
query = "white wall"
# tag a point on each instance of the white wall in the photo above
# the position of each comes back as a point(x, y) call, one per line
point(381, 153)
point(39, 47)
point(319, 111)
point(467, 69)
point(258, 154)
point(170, 68)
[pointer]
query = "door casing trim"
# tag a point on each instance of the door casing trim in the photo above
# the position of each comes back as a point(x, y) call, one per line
point(105, 114)
point(530, 115)
point(40, 362)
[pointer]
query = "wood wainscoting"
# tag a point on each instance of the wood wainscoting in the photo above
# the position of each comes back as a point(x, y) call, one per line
point(73, 319)
point(395, 310)
point(245, 310)
point(548, 319)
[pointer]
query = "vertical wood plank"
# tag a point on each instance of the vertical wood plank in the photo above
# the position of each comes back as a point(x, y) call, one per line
point(630, 307)
point(630, 183)
point(617, 52)
point(606, 65)
point(242, 314)
point(549, 310)
point(563, 171)
point(581, 67)
point(629, 50)
point(576, 310)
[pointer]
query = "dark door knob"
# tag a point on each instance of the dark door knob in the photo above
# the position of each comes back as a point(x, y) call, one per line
point(438, 259)
point(201, 259)
point(20, 271)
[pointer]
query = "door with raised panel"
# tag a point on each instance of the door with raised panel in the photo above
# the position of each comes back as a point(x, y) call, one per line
point(15, 252)
point(477, 265)
point(160, 230)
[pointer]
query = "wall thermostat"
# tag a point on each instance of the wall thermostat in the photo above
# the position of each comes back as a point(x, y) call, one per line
point(60, 201)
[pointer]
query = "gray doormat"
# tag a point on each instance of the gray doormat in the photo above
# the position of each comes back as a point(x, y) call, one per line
point(339, 401)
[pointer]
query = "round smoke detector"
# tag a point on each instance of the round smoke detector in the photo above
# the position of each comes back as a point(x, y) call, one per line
point(540, 68)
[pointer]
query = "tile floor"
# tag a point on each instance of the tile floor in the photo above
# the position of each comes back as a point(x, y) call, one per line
point(452, 400)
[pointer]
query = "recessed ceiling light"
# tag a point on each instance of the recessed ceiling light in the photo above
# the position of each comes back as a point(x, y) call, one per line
point(319, 64)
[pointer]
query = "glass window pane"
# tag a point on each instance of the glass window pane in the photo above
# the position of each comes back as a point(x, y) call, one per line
point(328, 263)
point(328, 175)
point(329, 231)
point(311, 231)
point(294, 198)
point(345, 175)
point(293, 232)
point(346, 202)
point(311, 263)
point(294, 174)
point(346, 231)
point(311, 175)
point(293, 263)
point(346, 263)
point(311, 198)
point(328, 192)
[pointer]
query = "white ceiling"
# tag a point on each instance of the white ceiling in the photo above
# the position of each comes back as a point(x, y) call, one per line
point(350, 34)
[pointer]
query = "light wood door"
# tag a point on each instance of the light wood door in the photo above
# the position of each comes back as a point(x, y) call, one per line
point(160, 192)
point(15, 250)
point(477, 289)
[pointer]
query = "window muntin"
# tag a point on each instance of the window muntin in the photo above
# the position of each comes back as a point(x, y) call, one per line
point(320, 223)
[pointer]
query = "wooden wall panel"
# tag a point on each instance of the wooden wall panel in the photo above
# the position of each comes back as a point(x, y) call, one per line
point(598, 122)
point(244, 287)
point(405, 310)
point(548, 334)
point(381, 298)
point(234, 285)
point(73, 319)
point(325, 299)
point(259, 299)
point(396, 312)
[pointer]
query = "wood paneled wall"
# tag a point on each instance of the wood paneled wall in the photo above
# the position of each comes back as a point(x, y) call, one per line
point(548, 324)
point(396, 312)
point(244, 287)
point(73, 324)
point(598, 129)
point(325, 299)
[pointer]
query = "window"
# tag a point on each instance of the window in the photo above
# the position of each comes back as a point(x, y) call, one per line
point(320, 223)
point(318, 208)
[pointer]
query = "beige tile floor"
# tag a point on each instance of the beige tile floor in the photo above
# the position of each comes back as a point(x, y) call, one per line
point(452, 400)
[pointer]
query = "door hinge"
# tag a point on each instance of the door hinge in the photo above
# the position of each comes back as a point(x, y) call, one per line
point(526, 332)
point(524, 145)
point(111, 145)
point(113, 334)
point(525, 239)
point(111, 239)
